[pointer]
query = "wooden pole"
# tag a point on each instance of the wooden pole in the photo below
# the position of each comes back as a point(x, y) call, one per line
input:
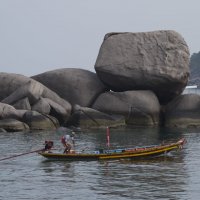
point(108, 136)
point(22, 154)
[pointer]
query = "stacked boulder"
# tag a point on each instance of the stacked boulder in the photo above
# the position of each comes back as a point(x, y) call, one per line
point(138, 81)
point(77, 86)
point(183, 112)
point(130, 64)
point(20, 97)
point(156, 61)
point(140, 108)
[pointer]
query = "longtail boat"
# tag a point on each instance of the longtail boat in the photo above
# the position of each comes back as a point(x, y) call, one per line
point(131, 153)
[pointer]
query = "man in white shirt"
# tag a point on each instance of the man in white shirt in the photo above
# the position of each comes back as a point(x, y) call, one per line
point(68, 142)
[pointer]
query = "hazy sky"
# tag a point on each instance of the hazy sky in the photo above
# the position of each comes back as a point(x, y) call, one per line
point(42, 35)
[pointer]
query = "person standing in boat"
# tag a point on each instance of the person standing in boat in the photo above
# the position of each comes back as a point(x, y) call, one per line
point(68, 142)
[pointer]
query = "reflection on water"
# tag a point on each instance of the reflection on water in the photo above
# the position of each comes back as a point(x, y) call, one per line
point(176, 176)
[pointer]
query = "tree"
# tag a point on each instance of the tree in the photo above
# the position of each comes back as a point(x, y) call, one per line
point(195, 69)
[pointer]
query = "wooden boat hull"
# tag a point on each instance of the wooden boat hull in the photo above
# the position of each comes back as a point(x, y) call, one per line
point(133, 153)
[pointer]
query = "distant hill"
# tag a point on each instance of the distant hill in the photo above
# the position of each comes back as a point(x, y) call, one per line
point(195, 69)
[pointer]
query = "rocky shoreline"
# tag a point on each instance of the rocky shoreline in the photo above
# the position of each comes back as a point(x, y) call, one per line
point(139, 81)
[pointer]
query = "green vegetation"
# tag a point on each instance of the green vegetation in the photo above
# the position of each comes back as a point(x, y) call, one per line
point(194, 69)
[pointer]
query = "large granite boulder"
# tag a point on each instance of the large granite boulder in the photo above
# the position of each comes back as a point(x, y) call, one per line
point(77, 86)
point(140, 108)
point(31, 90)
point(42, 106)
point(13, 125)
point(23, 119)
point(56, 110)
point(157, 61)
point(8, 111)
point(22, 104)
point(85, 117)
point(183, 111)
point(37, 121)
point(20, 91)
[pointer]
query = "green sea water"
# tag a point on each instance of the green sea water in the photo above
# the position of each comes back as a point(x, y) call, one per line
point(175, 176)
